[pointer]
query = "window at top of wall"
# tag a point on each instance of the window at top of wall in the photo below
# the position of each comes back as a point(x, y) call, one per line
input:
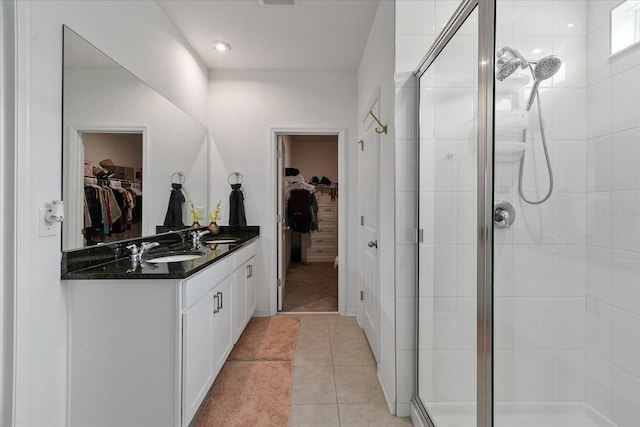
point(625, 26)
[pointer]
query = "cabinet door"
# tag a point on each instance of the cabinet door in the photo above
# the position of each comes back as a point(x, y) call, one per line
point(251, 287)
point(239, 301)
point(222, 332)
point(197, 354)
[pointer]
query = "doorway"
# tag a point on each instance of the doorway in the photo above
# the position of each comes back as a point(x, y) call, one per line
point(308, 236)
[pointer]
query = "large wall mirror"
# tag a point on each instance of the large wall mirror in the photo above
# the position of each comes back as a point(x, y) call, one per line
point(124, 145)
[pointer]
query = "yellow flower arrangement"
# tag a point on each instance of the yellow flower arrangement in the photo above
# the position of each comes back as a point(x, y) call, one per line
point(194, 212)
point(215, 216)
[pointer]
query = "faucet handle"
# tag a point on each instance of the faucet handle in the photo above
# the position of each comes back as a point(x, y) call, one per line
point(132, 248)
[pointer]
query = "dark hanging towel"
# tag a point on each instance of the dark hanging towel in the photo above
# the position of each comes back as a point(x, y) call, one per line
point(174, 210)
point(237, 217)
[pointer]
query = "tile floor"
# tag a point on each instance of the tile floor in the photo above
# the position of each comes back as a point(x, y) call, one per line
point(334, 376)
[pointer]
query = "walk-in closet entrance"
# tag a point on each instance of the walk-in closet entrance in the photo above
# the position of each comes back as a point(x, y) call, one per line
point(308, 202)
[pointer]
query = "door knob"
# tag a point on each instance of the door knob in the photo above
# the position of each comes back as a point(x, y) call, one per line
point(373, 243)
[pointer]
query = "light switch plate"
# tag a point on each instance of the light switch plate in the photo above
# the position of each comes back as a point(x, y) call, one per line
point(46, 228)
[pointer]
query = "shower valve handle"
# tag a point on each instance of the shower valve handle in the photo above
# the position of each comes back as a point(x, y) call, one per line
point(503, 214)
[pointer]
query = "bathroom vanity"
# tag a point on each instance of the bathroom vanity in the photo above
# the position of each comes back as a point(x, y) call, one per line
point(146, 341)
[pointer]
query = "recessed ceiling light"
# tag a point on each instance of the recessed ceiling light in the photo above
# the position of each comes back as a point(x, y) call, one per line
point(221, 46)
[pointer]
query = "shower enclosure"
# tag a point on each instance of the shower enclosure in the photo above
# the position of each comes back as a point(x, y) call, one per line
point(528, 293)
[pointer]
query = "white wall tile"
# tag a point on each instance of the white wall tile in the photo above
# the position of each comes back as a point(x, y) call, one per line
point(503, 327)
point(599, 164)
point(599, 384)
point(626, 340)
point(625, 402)
point(426, 113)
point(504, 376)
point(531, 329)
point(503, 270)
point(598, 48)
point(569, 278)
point(598, 220)
point(569, 323)
point(405, 360)
point(625, 91)
point(455, 218)
point(573, 53)
point(533, 376)
point(625, 280)
point(569, 218)
point(569, 118)
point(569, 161)
point(455, 165)
point(427, 216)
point(455, 323)
point(504, 19)
point(625, 61)
point(405, 110)
point(533, 223)
point(426, 323)
point(456, 64)
point(455, 272)
point(625, 220)
point(406, 218)
point(426, 375)
point(455, 113)
point(532, 17)
point(533, 267)
point(444, 11)
point(426, 257)
point(599, 274)
point(598, 14)
point(599, 329)
point(599, 109)
point(570, 18)
point(415, 16)
point(410, 50)
point(406, 165)
point(405, 323)
point(405, 270)
point(625, 158)
point(568, 375)
point(426, 166)
point(455, 375)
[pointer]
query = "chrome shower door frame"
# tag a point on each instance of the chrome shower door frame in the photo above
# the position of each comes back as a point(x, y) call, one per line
point(485, 191)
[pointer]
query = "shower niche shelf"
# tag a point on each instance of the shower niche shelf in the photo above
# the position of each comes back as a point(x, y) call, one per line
point(509, 151)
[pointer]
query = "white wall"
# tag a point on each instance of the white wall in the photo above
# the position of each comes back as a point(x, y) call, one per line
point(244, 108)
point(376, 71)
point(122, 30)
point(613, 223)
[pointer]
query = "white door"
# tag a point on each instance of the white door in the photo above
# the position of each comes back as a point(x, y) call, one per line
point(282, 265)
point(368, 242)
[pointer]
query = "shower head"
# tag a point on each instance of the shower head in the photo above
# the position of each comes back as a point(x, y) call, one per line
point(509, 60)
point(545, 68)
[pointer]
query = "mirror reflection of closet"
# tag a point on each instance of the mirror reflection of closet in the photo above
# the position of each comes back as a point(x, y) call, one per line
point(112, 186)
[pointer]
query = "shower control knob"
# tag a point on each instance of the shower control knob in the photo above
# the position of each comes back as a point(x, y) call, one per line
point(503, 214)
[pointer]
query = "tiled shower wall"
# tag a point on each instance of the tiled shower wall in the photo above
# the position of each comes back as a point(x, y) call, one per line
point(539, 263)
point(613, 223)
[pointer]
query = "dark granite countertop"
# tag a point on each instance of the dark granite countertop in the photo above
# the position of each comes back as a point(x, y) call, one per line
point(111, 261)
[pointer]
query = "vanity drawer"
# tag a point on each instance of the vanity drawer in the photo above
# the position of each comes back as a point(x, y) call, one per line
point(328, 212)
point(196, 286)
point(244, 254)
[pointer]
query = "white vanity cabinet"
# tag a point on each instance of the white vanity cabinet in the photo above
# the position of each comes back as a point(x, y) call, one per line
point(206, 332)
point(145, 352)
point(244, 290)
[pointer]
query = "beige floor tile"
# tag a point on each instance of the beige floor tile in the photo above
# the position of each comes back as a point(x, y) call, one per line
point(346, 329)
point(351, 351)
point(369, 415)
point(313, 385)
point(313, 326)
point(357, 384)
point(313, 352)
point(314, 416)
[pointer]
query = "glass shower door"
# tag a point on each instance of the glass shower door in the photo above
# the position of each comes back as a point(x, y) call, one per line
point(447, 325)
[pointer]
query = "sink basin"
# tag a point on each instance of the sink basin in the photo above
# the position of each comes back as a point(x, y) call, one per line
point(174, 258)
point(220, 241)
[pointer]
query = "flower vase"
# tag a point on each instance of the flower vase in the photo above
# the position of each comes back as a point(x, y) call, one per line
point(214, 228)
point(195, 224)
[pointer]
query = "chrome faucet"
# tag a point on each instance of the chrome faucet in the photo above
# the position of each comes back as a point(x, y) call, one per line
point(136, 252)
point(195, 237)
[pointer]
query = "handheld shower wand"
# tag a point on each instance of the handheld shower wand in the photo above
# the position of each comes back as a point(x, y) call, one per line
point(545, 68)
point(508, 62)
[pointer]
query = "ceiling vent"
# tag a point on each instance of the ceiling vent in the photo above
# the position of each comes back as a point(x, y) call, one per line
point(277, 2)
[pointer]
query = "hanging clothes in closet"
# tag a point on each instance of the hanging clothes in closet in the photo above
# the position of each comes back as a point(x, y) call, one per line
point(302, 205)
point(108, 209)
